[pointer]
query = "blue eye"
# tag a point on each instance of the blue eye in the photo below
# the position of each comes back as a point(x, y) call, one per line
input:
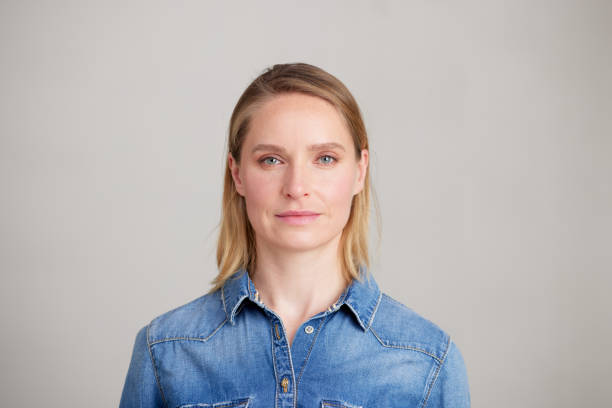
point(269, 161)
point(327, 159)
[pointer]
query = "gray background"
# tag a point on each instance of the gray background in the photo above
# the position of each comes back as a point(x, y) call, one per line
point(491, 133)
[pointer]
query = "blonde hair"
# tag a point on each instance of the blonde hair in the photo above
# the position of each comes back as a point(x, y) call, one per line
point(236, 243)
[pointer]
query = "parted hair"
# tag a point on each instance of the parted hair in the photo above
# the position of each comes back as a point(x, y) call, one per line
point(236, 243)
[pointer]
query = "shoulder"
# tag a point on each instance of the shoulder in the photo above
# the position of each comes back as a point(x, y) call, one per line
point(397, 326)
point(197, 320)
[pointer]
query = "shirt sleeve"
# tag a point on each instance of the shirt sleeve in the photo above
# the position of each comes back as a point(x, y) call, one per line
point(141, 388)
point(451, 388)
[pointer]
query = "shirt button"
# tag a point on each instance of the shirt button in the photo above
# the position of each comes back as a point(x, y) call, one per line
point(308, 329)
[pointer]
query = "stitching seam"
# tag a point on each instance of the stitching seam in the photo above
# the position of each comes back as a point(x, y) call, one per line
point(406, 347)
point(155, 368)
point(433, 382)
point(310, 349)
point(375, 310)
point(190, 338)
point(223, 300)
point(356, 315)
point(275, 372)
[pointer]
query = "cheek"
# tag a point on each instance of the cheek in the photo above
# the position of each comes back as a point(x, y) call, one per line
point(339, 191)
point(259, 190)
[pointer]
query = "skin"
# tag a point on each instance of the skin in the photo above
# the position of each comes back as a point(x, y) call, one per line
point(298, 155)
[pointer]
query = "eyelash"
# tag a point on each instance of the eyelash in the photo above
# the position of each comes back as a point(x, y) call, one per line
point(263, 160)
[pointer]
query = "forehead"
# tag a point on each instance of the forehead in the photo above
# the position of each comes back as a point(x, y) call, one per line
point(295, 117)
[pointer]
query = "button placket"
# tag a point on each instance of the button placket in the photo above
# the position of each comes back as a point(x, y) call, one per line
point(282, 364)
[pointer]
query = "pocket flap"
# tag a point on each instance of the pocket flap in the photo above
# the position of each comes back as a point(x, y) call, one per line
point(337, 404)
point(238, 403)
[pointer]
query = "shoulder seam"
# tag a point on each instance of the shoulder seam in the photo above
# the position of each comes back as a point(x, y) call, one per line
point(406, 347)
point(395, 301)
point(155, 368)
point(202, 339)
point(223, 300)
point(380, 295)
point(435, 378)
point(157, 324)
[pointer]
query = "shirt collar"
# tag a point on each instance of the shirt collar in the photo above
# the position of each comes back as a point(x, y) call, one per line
point(361, 297)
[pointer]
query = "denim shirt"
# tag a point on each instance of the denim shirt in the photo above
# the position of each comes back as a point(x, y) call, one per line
point(227, 349)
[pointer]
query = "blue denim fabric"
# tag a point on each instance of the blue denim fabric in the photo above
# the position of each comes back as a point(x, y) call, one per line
point(227, 349)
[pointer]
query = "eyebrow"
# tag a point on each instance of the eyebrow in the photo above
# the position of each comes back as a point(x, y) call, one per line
point(314, 147)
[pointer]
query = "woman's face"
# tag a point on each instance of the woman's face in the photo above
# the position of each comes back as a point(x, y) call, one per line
point(298, 173)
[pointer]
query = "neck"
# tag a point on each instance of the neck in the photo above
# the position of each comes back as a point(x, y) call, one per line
point(298, 285)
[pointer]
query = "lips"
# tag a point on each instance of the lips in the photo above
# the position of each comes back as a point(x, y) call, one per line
point(300, 217)
point(297, 213)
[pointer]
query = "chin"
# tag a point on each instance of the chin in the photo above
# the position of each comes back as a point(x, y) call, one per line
point(300, 242)
point(298, 245)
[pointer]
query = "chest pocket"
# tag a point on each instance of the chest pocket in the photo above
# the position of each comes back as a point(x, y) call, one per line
point(337, 404)
point(239, 403)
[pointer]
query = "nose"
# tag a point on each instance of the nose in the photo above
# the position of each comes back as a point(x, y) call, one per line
point(296, 183)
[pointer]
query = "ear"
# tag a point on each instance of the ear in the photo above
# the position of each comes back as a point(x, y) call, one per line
point(362, 169)
point(235, 172)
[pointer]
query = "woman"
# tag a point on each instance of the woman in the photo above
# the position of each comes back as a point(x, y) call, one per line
point(295, 319)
